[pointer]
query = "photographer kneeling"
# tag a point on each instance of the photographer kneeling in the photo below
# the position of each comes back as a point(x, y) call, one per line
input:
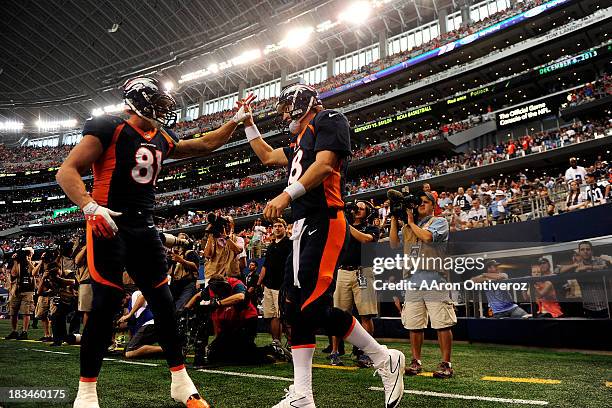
point(420, 233)
point(234, 318)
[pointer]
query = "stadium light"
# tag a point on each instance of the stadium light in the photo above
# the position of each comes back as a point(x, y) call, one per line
point(326, 25)
point(297, 37)
point(357, 13)
point(168, 85)
point(11, 125)
point(243, 58)
point(246, 56)
point(108, 109)
point(56, 124)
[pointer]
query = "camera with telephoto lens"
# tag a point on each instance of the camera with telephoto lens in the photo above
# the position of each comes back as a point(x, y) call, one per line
point(400, 202)
point(216, 224)
point(21, 255)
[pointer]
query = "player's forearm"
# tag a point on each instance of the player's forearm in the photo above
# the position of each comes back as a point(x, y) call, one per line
point(70, 181)
point(262, 150)
point(217, 138)
point(315, 175)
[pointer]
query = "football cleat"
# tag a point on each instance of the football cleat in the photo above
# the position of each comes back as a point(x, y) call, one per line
point(195, 401)
point(294, 400)
point(392, 374)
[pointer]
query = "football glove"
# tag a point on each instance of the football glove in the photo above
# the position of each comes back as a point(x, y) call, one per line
point(100, 220)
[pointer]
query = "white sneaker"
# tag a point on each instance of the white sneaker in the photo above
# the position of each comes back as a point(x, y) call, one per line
point(392, 375)
point(294, 400)
point(86, 401)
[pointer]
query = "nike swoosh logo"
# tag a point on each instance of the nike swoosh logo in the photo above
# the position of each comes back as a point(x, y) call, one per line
point(311, 232)
point(393, 371)
point(333, 114)
point(150, 226)
point(296, 401)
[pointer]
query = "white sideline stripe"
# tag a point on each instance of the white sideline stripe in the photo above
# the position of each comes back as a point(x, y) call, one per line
point(469, 397)
point(248, 375)
point(271, 377)
point(48, 351)
point(131, 362)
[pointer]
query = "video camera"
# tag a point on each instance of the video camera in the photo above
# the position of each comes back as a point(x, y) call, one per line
point(216, 224)
point(351, 209)
point(400, 202)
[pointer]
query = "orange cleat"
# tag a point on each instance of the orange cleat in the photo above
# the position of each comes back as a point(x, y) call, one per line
point(195, 401)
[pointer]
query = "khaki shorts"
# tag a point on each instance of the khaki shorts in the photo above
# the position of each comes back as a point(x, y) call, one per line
point(348, 293)
point(22, 303)
point(270, 303)
point(42, 307)
point(85, 297)
point(420, 307)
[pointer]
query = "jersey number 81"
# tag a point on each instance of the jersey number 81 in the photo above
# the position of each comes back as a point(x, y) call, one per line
point(143, 172)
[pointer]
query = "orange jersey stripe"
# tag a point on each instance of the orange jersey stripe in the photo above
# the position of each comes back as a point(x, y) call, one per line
point(92, 266)
point(331, 252)
point(103, 170)
point(331, 186)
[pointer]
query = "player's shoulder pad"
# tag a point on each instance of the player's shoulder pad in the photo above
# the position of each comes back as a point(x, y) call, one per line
point(101, 124)
point(172, 135)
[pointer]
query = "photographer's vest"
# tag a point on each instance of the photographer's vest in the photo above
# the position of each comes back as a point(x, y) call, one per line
point(413, 246)
point(223, 262)
point(67, 293)
point(180, 273)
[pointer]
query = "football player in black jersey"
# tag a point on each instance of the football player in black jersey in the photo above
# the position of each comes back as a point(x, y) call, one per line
point(126, 157)
point(317, 160)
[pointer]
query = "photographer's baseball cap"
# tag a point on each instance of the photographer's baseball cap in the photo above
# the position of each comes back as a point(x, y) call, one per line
point(490, 263)
point(429, 196)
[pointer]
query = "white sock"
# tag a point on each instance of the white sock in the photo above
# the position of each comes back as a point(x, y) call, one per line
point(88, 390)
point(302, 368)
point(182, 384)
point(359, 337)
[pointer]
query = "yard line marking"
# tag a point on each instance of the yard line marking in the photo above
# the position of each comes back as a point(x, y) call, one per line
point(469, 397)
point(48, 351)
point(425, 374)
point(521, 380)
point(349, 368)
point(131, 362)
point(31, 341)
point(248, 375)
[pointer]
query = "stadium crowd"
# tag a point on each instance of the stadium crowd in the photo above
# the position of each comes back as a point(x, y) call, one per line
point(397, 176)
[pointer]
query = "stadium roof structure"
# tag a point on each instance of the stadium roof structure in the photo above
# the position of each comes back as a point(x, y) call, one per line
point(64, 58)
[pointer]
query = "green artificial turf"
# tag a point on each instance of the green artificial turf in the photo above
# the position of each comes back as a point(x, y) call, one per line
point(582, 377)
